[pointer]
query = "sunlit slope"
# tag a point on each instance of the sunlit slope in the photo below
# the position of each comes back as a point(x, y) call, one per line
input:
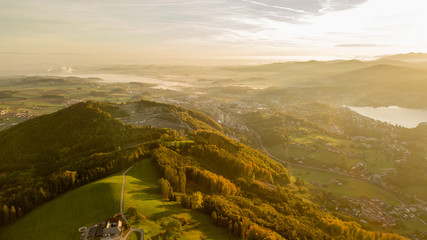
point(143, 193)
point(77, 129)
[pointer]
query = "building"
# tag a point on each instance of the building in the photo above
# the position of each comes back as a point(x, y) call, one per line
point(108, 230)
point(112, 228)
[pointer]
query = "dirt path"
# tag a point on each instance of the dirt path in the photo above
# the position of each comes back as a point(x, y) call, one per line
point(121, 209)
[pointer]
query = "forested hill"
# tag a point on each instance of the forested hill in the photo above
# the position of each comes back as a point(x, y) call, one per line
point(80, 128)
point(241, 188)
point(45, 157)
point(163, 115)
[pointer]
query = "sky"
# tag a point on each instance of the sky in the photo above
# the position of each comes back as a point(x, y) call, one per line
point(197, 31)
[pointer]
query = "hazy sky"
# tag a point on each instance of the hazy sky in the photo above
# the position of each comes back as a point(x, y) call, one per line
point(165, 30)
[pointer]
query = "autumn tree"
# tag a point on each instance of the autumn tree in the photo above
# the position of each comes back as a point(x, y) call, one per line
point(12, 214)
point(182, 181)
point(5, 213)
point(165, 188)
point(196, 200)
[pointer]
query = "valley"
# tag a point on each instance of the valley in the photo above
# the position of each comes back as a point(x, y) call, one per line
point(348, 165)
point(213, 120)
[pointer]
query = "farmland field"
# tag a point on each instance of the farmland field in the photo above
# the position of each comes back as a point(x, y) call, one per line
point(94, 202)
point(350, 187)
point(61, 217)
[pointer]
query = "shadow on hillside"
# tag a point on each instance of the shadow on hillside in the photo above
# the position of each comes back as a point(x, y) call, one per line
point(205, 224)
point(168, 211)
point(145, 194)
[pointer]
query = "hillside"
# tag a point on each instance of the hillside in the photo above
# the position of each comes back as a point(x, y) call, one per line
point(96, 201)
point(240, 188)
point(310, 67)
point(75, 130)
point(409, 57)
point(147, 113)
point(62, 216)
point(245, 191)
point(91, 127)
point(45, 157)
point(381, 75)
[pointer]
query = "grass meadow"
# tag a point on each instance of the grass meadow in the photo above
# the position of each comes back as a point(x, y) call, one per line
point(142, 192)
point(94, 202)
point(61, 217)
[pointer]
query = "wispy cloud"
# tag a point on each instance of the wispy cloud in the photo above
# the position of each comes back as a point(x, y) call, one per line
point(277, 7)
point(358, 45)
point(142, 27)
point(338, 5)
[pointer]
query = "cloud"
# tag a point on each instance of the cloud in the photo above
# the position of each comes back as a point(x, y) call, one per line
point(277, 7)
point(356, 45)
point(339, 5)
point(63, 29)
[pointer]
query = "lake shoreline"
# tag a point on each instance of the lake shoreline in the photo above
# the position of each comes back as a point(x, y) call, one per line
point(395, 115)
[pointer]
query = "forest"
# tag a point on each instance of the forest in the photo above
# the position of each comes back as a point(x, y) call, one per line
point(240, 188)
point(246, 192)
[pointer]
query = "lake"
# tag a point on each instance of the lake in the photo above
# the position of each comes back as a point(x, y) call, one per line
point(405, 117)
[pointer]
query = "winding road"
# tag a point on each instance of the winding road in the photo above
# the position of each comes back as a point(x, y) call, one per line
point(121, 209)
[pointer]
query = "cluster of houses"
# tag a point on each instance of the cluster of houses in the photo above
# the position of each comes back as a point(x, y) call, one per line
point(376, 211)
point(110, 229)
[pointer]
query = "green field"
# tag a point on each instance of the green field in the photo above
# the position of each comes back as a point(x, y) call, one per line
point(92, 203)
point(142, 192)
point(61, 218)
point(351, 187)
point(29, 99)
point(374, 158)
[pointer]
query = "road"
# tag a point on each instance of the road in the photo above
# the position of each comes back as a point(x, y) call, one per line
point(121, 209)
point(390, 192)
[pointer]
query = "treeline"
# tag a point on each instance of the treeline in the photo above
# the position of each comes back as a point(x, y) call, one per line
point(257, 209)
point(25, 193)
point(178, 170)
point(259, 213)
point(233, 159)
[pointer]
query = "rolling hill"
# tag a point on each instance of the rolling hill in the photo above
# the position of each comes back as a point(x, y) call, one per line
point(381, 75)
point(83, 127)
point(241, 189)
point(409, 57)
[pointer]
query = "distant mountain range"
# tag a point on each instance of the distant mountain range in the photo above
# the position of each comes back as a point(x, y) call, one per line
point(410, 57)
